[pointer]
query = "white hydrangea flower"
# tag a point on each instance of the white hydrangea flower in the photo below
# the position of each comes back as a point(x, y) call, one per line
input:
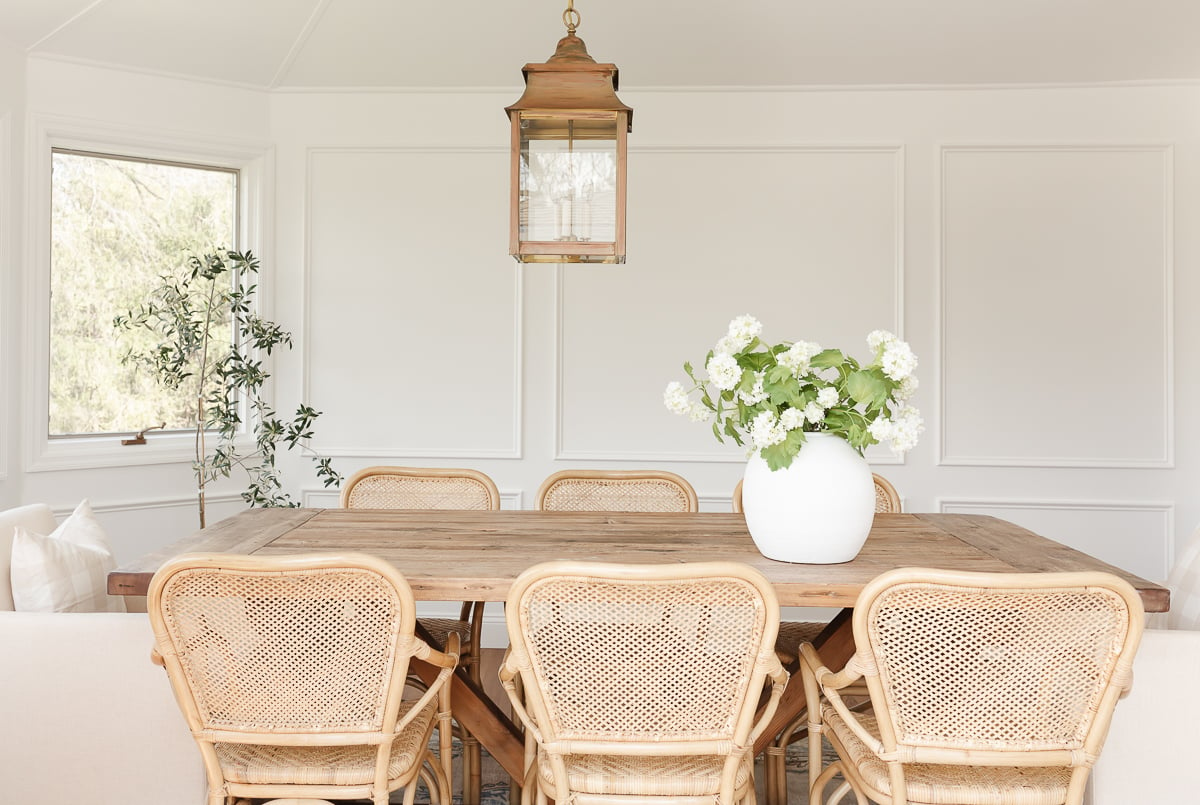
point(728, 346)
point(828, 397)
point(792, 418)
point(798, 355)
point(879, 338)
point(743, 330)
point(723, 371)
point(676, 399)
point(908, 387)
point(907, 427)
point(881, 429)
point(698, 412)
point(898, 360)
point(765, 430)
point(814, 413)
point(756, 394)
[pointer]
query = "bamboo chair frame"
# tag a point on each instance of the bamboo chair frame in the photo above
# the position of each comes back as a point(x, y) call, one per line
point(1017, 711)
point(617, 490)
point(234, 632)
point(386, 487)
point(627, 692)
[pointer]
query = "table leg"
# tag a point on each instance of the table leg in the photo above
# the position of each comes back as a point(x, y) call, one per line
point(476, 711)
point(836, 643)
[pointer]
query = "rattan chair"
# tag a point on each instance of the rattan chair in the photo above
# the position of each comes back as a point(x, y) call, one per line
point(616, 491)
point(983, 688)
point(290, 672)
point(640, 682)
point(437, 488)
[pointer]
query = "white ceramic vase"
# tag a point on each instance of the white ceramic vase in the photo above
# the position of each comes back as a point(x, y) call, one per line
point(818, 510)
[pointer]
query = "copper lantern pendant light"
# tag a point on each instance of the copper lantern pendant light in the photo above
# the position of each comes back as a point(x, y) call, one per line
point(569, 141)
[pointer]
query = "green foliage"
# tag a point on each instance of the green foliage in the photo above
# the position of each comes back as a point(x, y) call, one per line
point(189, 315)
point(775, 394)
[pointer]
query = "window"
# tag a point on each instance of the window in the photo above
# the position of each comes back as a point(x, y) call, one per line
point(117, 223)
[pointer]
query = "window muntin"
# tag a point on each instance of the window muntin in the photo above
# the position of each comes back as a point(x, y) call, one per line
point(117, 223)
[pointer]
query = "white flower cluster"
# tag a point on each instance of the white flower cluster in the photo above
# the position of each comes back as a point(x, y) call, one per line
point(677, 402)
point(769, 423)
point(902, 429)
point(766, 430)
point(798, 355)
point(723, 371)
point(895, 356)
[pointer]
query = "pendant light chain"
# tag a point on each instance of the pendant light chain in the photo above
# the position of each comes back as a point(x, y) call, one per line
point(571, 17)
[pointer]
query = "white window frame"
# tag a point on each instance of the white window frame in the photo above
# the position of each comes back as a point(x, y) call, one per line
point(255, 163)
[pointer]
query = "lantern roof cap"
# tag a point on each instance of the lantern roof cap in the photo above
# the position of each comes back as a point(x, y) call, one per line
point(571, 80)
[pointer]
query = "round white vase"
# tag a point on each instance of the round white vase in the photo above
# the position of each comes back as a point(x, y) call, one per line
point(818, 510)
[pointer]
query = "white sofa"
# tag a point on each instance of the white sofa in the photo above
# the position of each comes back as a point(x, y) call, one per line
point(86, 717)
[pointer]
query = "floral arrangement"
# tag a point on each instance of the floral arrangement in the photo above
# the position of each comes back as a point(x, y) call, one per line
point(775, 394)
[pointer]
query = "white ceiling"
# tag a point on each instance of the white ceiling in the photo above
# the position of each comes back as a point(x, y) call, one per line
point(308, 44)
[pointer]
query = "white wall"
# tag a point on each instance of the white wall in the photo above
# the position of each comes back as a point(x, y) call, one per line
point(1036, 247)
point(12, 111)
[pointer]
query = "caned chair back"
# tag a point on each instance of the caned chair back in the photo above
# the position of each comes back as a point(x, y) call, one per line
point(420, 488)
point(996, 666)
point(618, 491)
point(332, 633)
point(887, 499)
point(304, 652)
point(613, 657)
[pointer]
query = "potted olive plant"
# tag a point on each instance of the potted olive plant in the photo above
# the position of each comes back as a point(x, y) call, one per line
point(208, 338)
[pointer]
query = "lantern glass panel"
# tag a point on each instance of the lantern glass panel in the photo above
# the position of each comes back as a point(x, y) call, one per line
point(568, 179)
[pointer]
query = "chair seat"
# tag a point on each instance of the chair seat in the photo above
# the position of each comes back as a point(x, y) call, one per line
point(441, 628)
point(791, 635)
point(263, 764)
point(677, 776)
point(953, 785)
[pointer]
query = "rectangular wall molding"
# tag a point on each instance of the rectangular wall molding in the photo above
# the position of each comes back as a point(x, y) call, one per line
point(512, 444)
point(1109, 268)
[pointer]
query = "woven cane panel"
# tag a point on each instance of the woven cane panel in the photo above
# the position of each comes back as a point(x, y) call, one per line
point(953, 785)
point(404, 492)
point(884, 502)
point(998, 669)
point(675, 775)
point(324, 765)
point(265, 652)
point(642, 660)
point(616, 495)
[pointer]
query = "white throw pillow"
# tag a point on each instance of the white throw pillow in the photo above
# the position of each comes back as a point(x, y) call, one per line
point(66, 571)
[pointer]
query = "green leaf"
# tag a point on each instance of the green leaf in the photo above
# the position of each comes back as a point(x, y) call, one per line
point(867, 387)
point(827, 359)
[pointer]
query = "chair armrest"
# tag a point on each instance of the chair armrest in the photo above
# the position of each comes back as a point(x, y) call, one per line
point(778, 678)
point(824, 686)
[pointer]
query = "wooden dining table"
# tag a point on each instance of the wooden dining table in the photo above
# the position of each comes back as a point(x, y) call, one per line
point(476, 555)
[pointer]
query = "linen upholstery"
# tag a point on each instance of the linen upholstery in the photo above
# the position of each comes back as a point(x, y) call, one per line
point(983, 688)
point(34, 517)
point(65, 570)
point(641, 682)
point(334, 634)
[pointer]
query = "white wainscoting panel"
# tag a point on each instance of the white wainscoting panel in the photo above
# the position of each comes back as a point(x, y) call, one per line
point(1134, 536)
point(1056, 282)
point(413, 338)
point(807, 239)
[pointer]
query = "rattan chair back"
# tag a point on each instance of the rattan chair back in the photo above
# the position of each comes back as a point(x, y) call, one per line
point(290, 672)
point(984, 670)
point(617, 491)
point(656, 664)
point(420, 488)
point(887, 499)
